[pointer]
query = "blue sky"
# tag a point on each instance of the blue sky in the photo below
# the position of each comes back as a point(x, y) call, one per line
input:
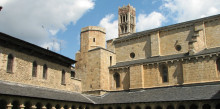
point(49, 23)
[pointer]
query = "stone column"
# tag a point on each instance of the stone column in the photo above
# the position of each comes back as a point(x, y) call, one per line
point(33, 107)
point(200, 105)
point(53, 107)
point(9, 105)
point(22, 106)
point(44, 107)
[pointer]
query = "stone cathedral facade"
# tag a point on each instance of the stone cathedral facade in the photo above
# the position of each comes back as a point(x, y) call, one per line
point(171, 67)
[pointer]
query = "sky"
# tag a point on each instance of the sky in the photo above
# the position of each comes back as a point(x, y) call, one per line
point(56, 24)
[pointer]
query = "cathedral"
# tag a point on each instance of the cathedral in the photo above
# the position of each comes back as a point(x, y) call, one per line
point(171, 67)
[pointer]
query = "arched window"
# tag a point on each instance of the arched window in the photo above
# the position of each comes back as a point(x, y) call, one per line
point(218, 65)
point(10, 63)
point(164, 73)
point(48, 106)
point(63, 77)
point(45, 71)
point(34, 69)
point(117, 80)
point(57, 106)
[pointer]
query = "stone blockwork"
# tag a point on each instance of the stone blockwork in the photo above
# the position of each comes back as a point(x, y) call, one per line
point(93, 60)
point(22, 72)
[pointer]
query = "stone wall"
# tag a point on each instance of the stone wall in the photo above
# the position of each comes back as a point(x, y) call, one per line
point(22, 72)
point(140, 46)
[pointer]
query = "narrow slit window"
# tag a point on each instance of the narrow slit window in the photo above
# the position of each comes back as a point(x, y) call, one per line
point(63, 77)
point(73, 74)
point(34, 69)
point(93, 39)
point(45, 71)
point(110, 60)
point(10, 63)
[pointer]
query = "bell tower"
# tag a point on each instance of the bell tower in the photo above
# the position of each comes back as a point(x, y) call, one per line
point(126, 20)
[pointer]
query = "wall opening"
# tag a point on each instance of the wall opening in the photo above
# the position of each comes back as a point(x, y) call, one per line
point(117, 79)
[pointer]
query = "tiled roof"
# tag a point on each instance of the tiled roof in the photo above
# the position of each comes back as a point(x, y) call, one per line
point(202, 91)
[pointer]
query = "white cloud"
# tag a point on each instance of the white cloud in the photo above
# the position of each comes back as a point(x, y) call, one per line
point(54, 45)
point(153, 20)
point(184, 10)
point(38, 21)
point(110, 26)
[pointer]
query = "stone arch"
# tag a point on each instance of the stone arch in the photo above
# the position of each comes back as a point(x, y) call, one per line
point(80, 107)
point(109, 107)
point(27, 105)
point(48, 106)
point(193, 106)
point(147, 107)
point(181, 107)
point(118, 107)
point(73, 107)
point(117, 79)
point(87, 107)
point(15, 105)
point(128, 107)
point(217, 106)
point(137, 107)
point(170, 107)
point(3, 104)
point(39, 105)
point(158, 107)
point(65, 107)
point(206, 106)
point(57, 106)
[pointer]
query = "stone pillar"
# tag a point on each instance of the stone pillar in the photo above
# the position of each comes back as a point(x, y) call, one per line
point(44, 107)
point(33, 107)
point(53, 107)
point(22, 106)
point(200, 104)
point(155, 44)
point(9, 105)
point(212, 105)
